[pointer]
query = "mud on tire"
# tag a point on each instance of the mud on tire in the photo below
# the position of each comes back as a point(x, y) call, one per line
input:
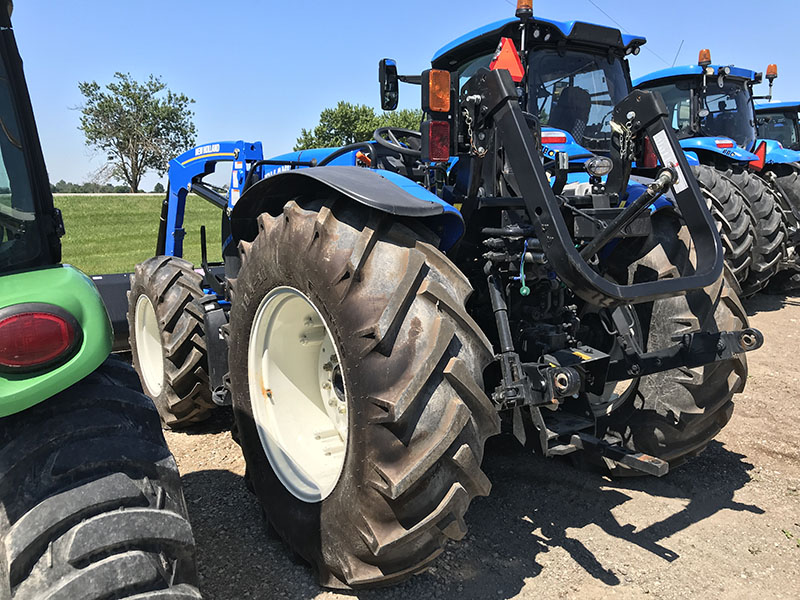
point(673, 415)
point(174, 290)
point(412, 360)
point(90, 498)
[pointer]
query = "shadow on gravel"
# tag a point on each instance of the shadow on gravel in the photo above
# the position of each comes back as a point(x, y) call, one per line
point(221, 419)
point(535, 506)
point(769, 303)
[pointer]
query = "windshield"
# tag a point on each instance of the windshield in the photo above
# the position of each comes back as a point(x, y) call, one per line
point(730, 112)
point(576, 92)
point(781, 127)
point(19, 238)
point(723, 111)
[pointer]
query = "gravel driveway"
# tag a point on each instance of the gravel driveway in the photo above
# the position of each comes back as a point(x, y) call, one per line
point(725, 525)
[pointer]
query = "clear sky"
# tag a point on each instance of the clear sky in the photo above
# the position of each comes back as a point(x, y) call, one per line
point(262, 70)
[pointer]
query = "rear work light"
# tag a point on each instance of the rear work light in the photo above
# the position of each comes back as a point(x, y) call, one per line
point(34, 336)
point(554, 137)
point(435, 141)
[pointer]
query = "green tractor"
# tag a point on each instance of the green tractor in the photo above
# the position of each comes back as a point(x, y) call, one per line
point(91, 504)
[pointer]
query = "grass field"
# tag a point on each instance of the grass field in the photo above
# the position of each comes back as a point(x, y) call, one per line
point(110, 234)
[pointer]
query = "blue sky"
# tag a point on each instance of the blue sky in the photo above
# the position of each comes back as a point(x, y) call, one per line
point(263, 70)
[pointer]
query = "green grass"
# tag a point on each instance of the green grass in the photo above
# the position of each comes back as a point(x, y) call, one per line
point(111, 234)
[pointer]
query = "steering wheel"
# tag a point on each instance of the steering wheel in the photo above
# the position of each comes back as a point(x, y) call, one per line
point(388, 137)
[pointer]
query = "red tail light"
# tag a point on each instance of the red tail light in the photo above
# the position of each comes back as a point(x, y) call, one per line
point(34, 337)
point(554, 137)
point(650, 158)
point(436, 141)
point(725, 144)
point(761, 153)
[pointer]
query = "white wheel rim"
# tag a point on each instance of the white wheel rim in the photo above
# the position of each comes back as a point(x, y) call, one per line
point(148, 346)
point(299, 399)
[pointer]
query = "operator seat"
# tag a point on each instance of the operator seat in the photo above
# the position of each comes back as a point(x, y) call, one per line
point(571, 112)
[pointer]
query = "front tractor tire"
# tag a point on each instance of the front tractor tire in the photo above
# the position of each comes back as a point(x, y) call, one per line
point(167, 339)
point(356, 378)
point(91, 504)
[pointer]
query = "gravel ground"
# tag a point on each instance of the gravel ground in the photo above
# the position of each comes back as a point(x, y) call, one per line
point(725, 525)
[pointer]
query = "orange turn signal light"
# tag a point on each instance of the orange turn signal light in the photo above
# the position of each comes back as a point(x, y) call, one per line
point(438, 91)
point(705, 57)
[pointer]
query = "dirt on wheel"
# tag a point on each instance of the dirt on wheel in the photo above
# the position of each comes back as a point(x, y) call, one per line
point(724, 525)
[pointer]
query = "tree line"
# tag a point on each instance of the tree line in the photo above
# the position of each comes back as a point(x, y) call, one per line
point(91, 187)
point(140, 126)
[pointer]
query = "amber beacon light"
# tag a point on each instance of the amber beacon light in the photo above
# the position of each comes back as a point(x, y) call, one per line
point(524, 9)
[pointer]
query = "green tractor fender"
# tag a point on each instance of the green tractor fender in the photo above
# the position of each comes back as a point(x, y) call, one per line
point(66, 288)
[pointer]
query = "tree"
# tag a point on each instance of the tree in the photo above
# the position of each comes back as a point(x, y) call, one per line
point(159, 188)
point(349, 123)
point(139, 126)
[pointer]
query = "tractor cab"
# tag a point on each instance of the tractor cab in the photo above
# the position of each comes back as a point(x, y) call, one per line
point(713, 114)
point(708, 101)
point(29, 225)
point(569, 76)
point(779, 121)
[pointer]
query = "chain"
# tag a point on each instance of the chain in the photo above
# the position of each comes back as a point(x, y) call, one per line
point(626, 149)
point(479, 152)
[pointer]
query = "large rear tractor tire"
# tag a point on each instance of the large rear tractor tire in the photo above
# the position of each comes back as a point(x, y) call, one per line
point(729, 208)
point(91, 504)
point(771, 234)
point(675, 414)
point(167, 339)
point(788, 177)
point(356, 378)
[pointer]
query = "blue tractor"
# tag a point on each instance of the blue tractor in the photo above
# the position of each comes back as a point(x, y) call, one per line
point(779, 121)
point(712, 111)
point(778, 125)
point(385, 307)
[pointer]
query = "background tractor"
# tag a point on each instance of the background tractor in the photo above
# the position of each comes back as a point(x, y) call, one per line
point(91, 504)
point(712, 111)
point(779, 121)
point(385, 307)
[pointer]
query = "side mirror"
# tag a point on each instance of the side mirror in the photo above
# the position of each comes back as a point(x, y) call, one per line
point(390, 84)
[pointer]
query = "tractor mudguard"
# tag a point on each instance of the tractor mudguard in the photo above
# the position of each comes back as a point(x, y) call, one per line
point(66, 288)
point(778, 155)
point(382, 190)
point(712, 144)
point(575, 151)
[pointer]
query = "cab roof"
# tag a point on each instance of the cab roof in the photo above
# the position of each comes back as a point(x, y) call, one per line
point(694, 71)
point(776, 106)
point(484, 39)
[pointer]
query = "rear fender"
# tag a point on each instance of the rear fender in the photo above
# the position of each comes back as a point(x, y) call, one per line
point(709, 145)
point(70, 290)
point(777, 154)
point(575, 151)
point(382, 190)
